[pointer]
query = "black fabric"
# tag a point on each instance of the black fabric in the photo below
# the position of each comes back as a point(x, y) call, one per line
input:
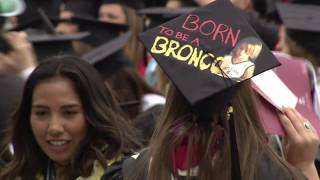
point(305, 17)
point(268, 31)
point(51, 7)
point(47, 45)
point(235, 163)
point(110, 57)
point(114, 172)
point(127, 168)
point(130, 167)
point(268, 170)
point(317, 163)
point(135, 4)
point(147, 121)
point(86, 8)
point(100, 32)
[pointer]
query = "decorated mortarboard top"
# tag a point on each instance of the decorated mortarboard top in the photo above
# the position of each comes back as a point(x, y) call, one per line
point(305, 17)
point(11, 7)
point(109, 57)
point(208, 51)
point(101, 32)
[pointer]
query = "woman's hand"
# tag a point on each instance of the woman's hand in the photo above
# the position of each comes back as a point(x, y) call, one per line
point(301, 143)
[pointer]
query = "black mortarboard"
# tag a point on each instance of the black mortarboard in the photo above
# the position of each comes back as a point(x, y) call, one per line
point(101, 32)
point(302, 22)
point(135, 4)
point(46, 45)
point(155, 3)
point(38, 24)
point(109, 57)
point(300, 17)
point(83, 7)
point(159, 15)
point(51, 7)
point(198, 51)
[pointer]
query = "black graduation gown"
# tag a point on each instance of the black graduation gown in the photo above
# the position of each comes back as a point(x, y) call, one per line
point(267, 170)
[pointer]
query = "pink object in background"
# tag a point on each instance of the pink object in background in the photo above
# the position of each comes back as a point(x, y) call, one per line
point(294, 75)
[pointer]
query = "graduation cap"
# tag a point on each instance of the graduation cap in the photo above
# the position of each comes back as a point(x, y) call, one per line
point(159, 15)
point(45, 40)
point(38, 24)
point(302, 22)
point(101, 32)
point(46, 45)
point(135, 4)
point(300, 17)
point(207, 53)
point(11, 7)
point(109, 57)
point(83, 7)
point(155, 3)
point(51, 7)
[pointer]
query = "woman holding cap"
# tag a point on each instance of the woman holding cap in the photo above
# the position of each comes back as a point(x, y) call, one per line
point(67, 126)
point(189, 146)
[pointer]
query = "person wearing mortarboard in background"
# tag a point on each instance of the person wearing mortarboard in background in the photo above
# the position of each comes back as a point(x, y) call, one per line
point(181, 3)
point(119, 73)
point(99, 32)
point(51, 7)
point(125, 11)
point(82, 8)
point(210, 128)
point(15, 58)
point(298, 36)
point(45, 39)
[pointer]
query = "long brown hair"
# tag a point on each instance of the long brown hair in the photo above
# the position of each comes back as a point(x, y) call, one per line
point(109, 133)
point(129, 86)
point(251, 140)
point(134, 49)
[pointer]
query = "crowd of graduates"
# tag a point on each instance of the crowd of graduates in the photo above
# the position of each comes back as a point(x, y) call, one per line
point(105, 89)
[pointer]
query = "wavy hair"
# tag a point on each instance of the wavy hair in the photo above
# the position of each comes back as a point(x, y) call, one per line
point(109, 133)
point(213, 163)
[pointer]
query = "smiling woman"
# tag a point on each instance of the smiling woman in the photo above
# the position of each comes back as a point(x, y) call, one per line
point(68, 125)
point(57, 119)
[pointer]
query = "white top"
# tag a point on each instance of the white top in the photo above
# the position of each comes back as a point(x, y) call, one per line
point(150, 100)
point(234, 71)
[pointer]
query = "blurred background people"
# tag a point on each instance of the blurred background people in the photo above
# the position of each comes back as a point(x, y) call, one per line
point(17, 60)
